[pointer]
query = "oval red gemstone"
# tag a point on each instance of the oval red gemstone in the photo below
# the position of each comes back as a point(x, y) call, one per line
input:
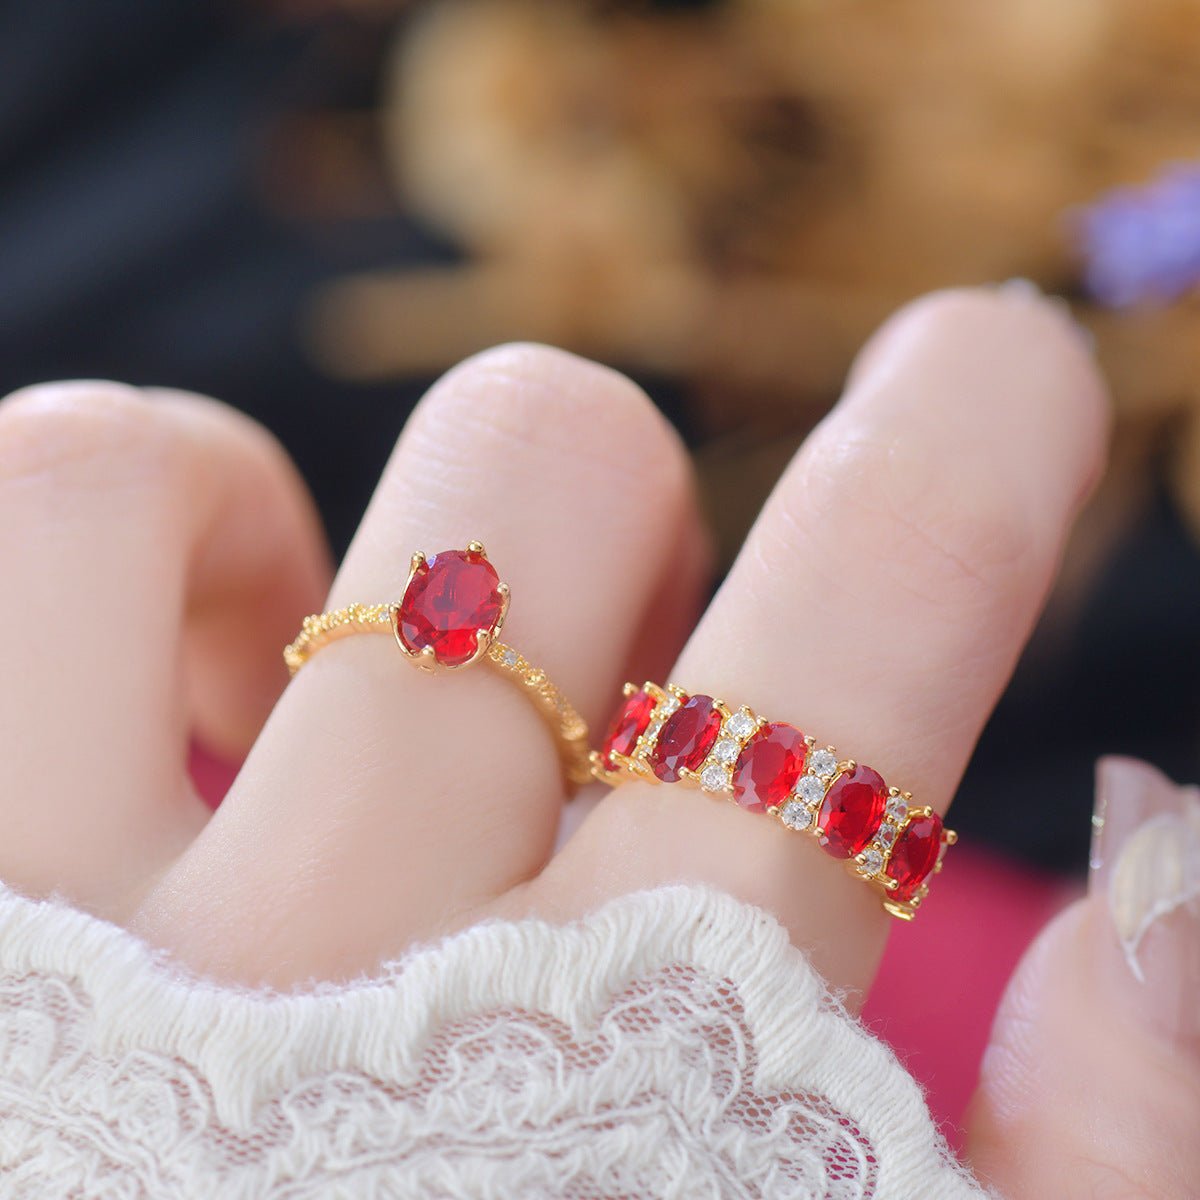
point(768, 767)
point(914, 855)
point(686, 738)
point(450, 601)
point(627, 726)
point(852, 811)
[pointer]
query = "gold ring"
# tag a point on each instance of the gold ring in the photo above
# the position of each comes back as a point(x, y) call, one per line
point(665, 735)
point(449, 617)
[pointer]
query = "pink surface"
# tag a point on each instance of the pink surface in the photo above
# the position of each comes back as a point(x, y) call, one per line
point(942, 975)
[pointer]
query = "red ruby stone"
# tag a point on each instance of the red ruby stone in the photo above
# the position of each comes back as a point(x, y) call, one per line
point(914, 855)
point(627, 726)
point(852, 811)
point(768, 767)
point(451, 600)
point(686, 738)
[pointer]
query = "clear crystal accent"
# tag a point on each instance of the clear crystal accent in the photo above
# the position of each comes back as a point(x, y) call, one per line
point(872, 861)
point(741, 725)
point(795, 815)
point(897, 808)
point(887, 834)
point(714, 778)
point(669, 705)
point(822, 763)
point(726, 751)
point(652, 730)
point(810, 789)
point(511, 658)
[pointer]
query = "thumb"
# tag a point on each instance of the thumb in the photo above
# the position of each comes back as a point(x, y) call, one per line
point(1090, 1086)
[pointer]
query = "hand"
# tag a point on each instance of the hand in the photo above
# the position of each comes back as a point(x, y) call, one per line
point(161, 550)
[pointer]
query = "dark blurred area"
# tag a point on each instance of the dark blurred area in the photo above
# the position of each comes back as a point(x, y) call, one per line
point(265, 203)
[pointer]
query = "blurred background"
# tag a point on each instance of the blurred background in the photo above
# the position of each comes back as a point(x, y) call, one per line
point(310, 209)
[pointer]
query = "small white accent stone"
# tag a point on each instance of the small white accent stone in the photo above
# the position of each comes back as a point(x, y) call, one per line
point(511, 658)
point(669, 705)
point(741, 725)
point(714, 778)
point(652, 730)
point(887, 834)
point(795, 815)
point(872, 861)
point(726, 751)
point(822, 763)
point(810, 789)
point(897, 808)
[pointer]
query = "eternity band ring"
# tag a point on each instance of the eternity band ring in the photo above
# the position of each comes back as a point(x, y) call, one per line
point(666, 735)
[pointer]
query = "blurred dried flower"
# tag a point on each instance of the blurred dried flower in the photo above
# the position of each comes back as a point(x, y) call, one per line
point(1143, 244)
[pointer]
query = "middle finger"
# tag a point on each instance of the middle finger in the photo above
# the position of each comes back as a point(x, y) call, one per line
point(381, 804)
point(879, 604)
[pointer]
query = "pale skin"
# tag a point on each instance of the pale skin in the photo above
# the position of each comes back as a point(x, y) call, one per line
point(159, 550)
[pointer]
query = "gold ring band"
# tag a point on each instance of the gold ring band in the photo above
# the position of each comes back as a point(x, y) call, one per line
point(666, 735)
point(449, 617)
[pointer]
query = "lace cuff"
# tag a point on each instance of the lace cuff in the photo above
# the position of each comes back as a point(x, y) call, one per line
point(672, 1044)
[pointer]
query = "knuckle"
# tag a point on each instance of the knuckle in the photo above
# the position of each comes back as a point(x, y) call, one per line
point(545, 404)
point(951, 541)
point(86, 433)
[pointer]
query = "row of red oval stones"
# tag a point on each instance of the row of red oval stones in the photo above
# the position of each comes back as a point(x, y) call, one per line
point(765, 772)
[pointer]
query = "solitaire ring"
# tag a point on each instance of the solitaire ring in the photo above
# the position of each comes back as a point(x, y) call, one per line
point(448, 618)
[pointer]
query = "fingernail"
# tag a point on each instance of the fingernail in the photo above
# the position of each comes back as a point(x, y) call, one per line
point(1026, 289)
point(1144, 878)
point(1020, 286)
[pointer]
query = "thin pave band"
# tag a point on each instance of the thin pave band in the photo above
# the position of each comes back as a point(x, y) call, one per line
point(433, 635)
point(666, 735)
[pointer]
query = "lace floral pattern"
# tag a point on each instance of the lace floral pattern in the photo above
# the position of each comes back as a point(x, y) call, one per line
point(469, 1069)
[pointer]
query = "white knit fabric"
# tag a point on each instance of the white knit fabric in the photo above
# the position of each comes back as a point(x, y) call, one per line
point(672, 1044)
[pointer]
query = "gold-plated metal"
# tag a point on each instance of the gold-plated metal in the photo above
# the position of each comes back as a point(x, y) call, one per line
point(568, 727)
point(800, 812)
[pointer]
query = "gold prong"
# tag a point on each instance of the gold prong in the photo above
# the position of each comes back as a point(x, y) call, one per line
point(483, 641)
point(628, 689)
point(773, 811)
point(723, 708)
point(760, 721)
point(810, 742)
point(427, 659)
point(505, 594)
point(937, 867)
point(476, 548)
point(949, 837)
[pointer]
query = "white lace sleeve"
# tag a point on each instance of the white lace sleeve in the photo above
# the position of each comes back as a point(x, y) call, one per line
point(671, 1045)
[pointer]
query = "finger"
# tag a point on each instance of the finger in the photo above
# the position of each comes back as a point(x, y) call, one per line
point(386, 802)
point(1090, 1087)
point(879, 604)
point(125, 525)
point(263, 558)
